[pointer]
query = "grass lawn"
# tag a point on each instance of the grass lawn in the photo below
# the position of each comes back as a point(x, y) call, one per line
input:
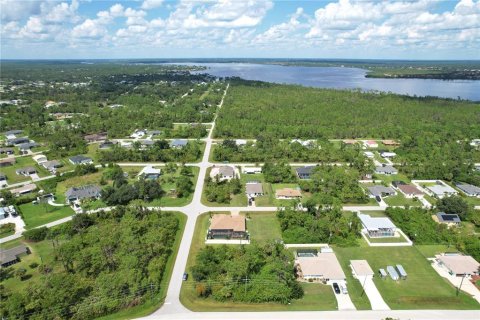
point(269, 200)
point(36, 215)
point(390, 178)
point(424, 288)
point(22, 162)
point(429, 251)
point(236, 200)
point(400, 200)
point(263, 226)
point(317, 296)
point(62, 187)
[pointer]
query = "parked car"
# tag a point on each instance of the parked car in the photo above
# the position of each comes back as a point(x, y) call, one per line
point(185, 276)
point(344, 288)
point(336, 288)
point(378, 198)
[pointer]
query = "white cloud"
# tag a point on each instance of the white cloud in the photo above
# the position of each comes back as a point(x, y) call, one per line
point(89, 29)
point(14, 10)
point(151, 4)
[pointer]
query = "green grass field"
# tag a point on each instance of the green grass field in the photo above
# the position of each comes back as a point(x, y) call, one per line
point(22, 162)
point(423, 289)
point(263, 226)
point(36, 215)
point(400, 200)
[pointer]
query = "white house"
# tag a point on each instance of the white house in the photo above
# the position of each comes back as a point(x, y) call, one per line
point(253, 189)
point(252, 170)
point(39, 158)
point(441, 190)
point(139, 133)
point(388, 154)
point(370, 144)
point(377, 227)
point(223, 173)
point(369, 154)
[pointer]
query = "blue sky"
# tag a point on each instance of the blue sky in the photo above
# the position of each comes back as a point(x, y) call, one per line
point(404, 29)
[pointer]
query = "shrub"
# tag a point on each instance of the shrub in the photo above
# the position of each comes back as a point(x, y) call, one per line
point(36, 235)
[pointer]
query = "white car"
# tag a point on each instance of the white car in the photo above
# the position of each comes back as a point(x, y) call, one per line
point(343, 287)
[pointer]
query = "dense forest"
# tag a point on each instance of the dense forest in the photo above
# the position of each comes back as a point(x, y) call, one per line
point(288, 111)
point(220, 273)
point(319, 224)
point(103, 263)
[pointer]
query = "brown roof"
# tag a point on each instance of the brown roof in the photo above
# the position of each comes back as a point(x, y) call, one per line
point(409, 189)
point(459, 264)
point(24, 189)
point(228, 222)
point(390, 142)
point(324, 265)
point(349, 141)
point(7, 160)
point(253, 188)
point(288, 192)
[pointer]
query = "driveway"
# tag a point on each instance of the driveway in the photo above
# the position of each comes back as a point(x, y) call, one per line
point(343, 300)
point(376, 300)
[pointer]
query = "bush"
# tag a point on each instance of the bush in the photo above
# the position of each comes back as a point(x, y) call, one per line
point(36, 235)
point(7, 228)
point(33, 265)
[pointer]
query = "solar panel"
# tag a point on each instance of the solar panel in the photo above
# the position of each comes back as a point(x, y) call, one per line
point(448, 217)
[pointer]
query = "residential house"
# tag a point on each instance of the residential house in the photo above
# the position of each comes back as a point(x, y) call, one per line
point(397, 183)
point(305, 172)
point(27, 171)
point(26, 147)
point(469, 189)
point(39, 158)
point(52, 165)
point(240, 142)
point(458, 264)
point(451, 220)
point(7, 151)
point(225, 226)
point(369, 154)
point(150, 173)
point(380, 191)
point(322, 267)
point(387, 154)
point(253, 189)
point(304, 143)
point(24, 189)
point(137, 134)
point(12, 256)
point(84, 192)
point(441, 190)
point(153, 133)
point(350, 141)
point(390, 143)
point(5, 162)
point(288, 193)
point(410, 191)
point(106, 145)
point(222, 173)
point(370, 144)
point(12, 134)
point(377, 227)
point(252, 170)
point(386, 169)
point(95, 137)
point(76, 160)
point(178, 143)
point(17, 141)
point(146, 143)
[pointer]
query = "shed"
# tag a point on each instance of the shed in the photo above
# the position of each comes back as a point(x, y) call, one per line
point(401, 271)
point(361, 268)
point(393, 273)
point(383, 273)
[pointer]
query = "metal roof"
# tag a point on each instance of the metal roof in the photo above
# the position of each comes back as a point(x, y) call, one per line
point(376, 223)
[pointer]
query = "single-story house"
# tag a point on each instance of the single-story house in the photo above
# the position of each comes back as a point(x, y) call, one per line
point(5, 162)
point(7, 151)
point(25, 147)
point(410, 191)
point(52, 165)
point(350, 141)
point(371, 144)
point(80, 160)
point(441, 190)
point(369, 154)
point(12, 134)
point(39, 158)
point(324, 267)
point(469, 189)
point(458, 264)
point(288, 193)
point(361, 268)
point(17, 141)
point(96, 137)
point(450, 220)
point(151, 173)
point(390, 143)
point(178, 143)
point(397, 183)
point(138, 134)
point(304, 172)
point(223, 173)
point(385, 169)
point(84, 192)
point(12, 256)
point(387, 154)
point(106, 145)
point(27, 171)
point(252, 170)
point(225, 226)
point(380, 191)
point(146, 143)
point(24, 189)
point(304, 143)
point(253, 189)
point(377, 227)
point(240, 142)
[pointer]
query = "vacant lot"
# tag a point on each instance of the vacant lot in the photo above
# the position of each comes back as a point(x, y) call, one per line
point(36, 215)
point(424, 288)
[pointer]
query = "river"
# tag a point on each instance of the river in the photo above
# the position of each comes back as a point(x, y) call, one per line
point(344, 78)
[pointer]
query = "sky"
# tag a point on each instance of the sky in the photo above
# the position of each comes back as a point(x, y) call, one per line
point(90, 29)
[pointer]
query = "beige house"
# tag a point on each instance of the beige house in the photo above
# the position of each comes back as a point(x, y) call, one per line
point(323, 267)
point(458, 264)
point(288, 193)
point(225, 226)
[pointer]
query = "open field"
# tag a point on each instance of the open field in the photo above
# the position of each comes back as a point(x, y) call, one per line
point(36, 215)
point(423, 289)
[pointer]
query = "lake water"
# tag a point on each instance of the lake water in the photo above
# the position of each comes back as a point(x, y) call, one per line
point(344, 78)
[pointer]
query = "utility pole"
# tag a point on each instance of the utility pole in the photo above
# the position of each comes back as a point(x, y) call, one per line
point(363, 286)
point(246, 282)
point(461, 282)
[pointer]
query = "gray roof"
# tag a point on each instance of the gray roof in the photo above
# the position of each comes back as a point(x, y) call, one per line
point(27, 145)
point(80, 159)
point(17, 140)
point(178, 143)
point(13, 132)
point(52, 164)
point(26, 170)
point(380, 190)
point(253, 188)
point(147, 142)
point(448, 218)
point(468, 188)
point(386, 169)
point(89, 191)
point(10, 255)
point(376, 223)
point(226, 171)
point(307, 170)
